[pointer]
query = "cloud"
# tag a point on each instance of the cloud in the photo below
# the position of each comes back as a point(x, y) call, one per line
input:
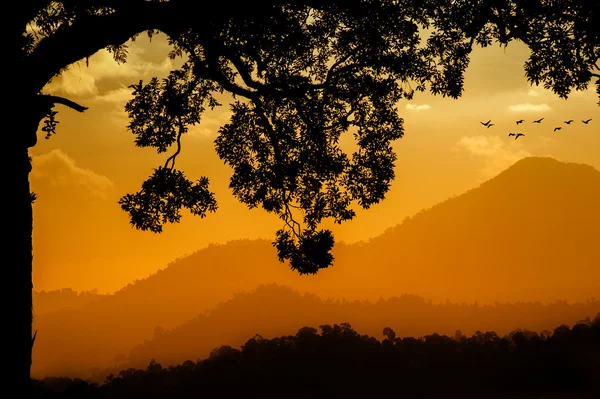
point(546, 141)
point(84, 79)
point(496, 154)
point(533, 93)
point(57, 169)
point(211, 122)
point(589, 93)
point(417, 108)
point(118, 96)
point(528, 107)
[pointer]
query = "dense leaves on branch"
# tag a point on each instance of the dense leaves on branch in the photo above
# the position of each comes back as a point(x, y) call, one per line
point(162, 197)
point(305, 76)
point(162, 111)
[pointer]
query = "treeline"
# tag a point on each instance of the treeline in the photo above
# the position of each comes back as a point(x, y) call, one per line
point(65, 298)
point(340, 362)
point(273, 310)
point(116, 334)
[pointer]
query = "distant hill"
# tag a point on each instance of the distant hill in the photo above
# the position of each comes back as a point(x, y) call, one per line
point(66, 298)
point(272, 311)
point(529, 234)
point(339, 361)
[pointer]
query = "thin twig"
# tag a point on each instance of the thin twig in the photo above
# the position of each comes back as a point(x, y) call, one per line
point(171, 159)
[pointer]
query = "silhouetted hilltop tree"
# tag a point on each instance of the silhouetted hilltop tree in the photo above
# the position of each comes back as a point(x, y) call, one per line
point(341, 362)
point(50, 301)
point(302, 74)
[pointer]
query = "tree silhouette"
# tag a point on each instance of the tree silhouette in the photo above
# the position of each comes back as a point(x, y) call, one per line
point(389, 334)
point(302, 73)
point(340, 362)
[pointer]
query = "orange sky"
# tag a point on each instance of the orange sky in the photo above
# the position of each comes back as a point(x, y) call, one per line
point(83, 240)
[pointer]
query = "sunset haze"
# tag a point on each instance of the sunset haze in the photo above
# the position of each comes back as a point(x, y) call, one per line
point(83, 240)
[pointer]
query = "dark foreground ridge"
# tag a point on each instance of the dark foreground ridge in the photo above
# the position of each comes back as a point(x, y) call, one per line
point(339, 362)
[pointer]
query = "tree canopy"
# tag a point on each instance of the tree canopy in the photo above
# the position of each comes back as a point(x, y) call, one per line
point(301, 73)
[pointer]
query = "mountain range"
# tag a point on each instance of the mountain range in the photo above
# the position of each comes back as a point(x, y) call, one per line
point(273, 311)
point(530, 234)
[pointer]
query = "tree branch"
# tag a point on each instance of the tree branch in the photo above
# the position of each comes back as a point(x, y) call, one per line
point(25, 11)
point(88, 35)
point(241, 68)
point(51, 100)
point(212, 72)
point(171, 159)
point(272, 89)
point(288, 219)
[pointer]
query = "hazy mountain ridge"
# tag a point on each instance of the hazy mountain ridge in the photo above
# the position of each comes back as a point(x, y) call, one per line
point(539, 221)
point(272, 311)
point(65, 298)
point(561, 362)
point(528, 234)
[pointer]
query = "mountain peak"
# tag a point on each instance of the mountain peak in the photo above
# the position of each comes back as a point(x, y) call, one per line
point(544, 176)
point(540, 165)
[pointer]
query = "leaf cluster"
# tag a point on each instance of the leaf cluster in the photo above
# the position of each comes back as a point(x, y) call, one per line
point(163, 196)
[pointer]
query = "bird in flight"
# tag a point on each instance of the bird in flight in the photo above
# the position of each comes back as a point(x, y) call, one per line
point(487, 124)
point(519, 135)
point(557, 128)
point(520, 121)
point(490, 125)
point(569, 121)
point(586, 121)
point(538, 121)
point(512, 134)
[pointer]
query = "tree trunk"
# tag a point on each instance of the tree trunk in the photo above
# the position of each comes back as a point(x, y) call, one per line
point(19, 272)
point(18, 252)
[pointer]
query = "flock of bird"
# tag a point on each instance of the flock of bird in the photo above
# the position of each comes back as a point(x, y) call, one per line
point(489, 124)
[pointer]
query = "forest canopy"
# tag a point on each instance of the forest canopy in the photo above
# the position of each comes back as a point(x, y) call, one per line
point(341, 361)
